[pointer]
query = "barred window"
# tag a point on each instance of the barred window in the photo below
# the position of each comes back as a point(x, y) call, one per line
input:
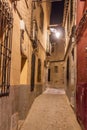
point(5, 47)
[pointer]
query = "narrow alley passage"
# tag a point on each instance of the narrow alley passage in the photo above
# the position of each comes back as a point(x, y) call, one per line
point(51, 111)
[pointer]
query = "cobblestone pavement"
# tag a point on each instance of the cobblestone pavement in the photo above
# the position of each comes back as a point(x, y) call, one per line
point(51, 111)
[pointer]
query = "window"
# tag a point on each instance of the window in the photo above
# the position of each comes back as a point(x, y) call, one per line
point(35, 29)
point(41, 18)
point(34, 33)
point(55, 69)
point(5, 47)
point(71, 10)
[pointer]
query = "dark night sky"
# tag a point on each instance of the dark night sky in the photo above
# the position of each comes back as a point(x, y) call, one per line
point(57, 12)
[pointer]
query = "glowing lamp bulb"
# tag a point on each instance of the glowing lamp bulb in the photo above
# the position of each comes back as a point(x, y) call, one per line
point(57, 34)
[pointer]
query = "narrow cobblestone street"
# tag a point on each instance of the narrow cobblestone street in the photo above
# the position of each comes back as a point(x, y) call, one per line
point(51, 111)
point(43, 64)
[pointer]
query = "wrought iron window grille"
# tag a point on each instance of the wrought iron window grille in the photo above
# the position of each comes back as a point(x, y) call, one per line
point(6, 24)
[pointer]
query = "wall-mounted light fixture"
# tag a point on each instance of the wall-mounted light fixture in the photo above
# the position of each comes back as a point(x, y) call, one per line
point(56, 32)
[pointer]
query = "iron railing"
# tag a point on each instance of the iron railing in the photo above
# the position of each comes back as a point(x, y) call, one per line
point(6, 24)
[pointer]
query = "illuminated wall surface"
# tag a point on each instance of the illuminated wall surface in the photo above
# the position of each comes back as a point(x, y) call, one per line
point(15, 106)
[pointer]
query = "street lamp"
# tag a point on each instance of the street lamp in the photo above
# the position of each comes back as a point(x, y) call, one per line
point(56, 32)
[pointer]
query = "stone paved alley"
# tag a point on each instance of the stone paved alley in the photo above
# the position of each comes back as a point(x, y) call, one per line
point(51, 111)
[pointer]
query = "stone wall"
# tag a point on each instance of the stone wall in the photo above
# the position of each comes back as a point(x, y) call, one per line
point(70, 76)
point(16, 106)
point(70, 52)
point(20, 11)
point(57, 76)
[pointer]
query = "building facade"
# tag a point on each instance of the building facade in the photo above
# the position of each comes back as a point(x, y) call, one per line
point(81, 41)
point(81, 89)
point(69, 23)
point(23, 43)
point(56, 74)
point(56, 64)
